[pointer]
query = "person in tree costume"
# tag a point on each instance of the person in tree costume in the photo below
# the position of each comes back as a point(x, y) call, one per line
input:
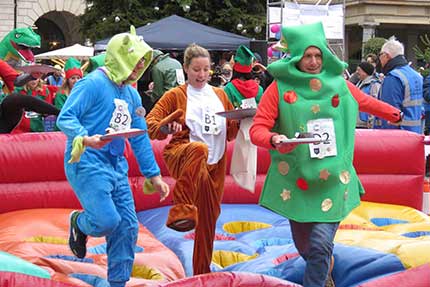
point(72, 69)
point(314, 185)
point(97, 169)
point(196, 153)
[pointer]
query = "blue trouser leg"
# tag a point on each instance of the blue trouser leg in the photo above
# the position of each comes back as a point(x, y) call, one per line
point(314, 241)
point(108, 204)
point(122, 241)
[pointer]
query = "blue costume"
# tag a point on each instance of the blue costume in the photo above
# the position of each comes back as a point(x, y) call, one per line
point(99, 101)
point(403, 88)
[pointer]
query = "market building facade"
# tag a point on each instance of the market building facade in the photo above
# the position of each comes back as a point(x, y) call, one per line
point(56, 21)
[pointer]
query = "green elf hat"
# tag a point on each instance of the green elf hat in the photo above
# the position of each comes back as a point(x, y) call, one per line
point(72, 67)
point(123, 53)
point(243, 60)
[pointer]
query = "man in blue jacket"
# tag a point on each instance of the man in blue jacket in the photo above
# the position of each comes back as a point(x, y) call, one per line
point(402, 87)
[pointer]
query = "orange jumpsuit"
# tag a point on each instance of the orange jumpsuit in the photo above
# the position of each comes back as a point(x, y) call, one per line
point(199, 186)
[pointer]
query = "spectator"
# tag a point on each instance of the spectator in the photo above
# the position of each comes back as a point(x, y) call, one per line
point(166, 73)
point(372, 59)
point(73, 71)
point(226, 73)
point(369, 85)
point(56, 79)
point(402, 88)
point(260, 73)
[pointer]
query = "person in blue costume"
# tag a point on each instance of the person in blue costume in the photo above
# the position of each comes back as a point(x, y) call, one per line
point(97, 169)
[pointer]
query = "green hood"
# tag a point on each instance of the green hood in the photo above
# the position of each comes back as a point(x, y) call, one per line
point(157, 53)
point(295, 44)
point(95, 62)
point(123, 52)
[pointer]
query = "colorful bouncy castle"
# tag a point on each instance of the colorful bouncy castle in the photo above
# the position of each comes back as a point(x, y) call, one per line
point(384, 242)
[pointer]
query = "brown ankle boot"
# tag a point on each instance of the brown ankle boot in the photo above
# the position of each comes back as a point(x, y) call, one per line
point(182, 217)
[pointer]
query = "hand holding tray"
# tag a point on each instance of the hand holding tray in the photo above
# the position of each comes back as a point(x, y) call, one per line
point(238, 114)
point(125, 134)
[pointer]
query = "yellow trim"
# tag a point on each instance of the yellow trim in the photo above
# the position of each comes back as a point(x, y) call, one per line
point(224, 258)
point(244, 226)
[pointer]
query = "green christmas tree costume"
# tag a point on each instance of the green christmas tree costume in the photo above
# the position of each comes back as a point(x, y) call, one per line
point(315, 182)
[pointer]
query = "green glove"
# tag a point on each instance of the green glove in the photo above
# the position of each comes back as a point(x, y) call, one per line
point(148, 188)
point(78, 149)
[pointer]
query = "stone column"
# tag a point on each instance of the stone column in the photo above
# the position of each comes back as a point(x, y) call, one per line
point(412, 41)
point(368, 33)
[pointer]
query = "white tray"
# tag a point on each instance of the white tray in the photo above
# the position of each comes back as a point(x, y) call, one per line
point(124, 134)
point(238, 114)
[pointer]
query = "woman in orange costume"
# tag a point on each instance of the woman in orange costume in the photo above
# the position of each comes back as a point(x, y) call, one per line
point(196, 154)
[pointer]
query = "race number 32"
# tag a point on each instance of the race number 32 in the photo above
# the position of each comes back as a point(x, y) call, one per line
point(323, 129)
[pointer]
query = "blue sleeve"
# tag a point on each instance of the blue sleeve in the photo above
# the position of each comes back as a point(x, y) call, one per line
point(79, 101)
point(141, 145)
point(392, 92)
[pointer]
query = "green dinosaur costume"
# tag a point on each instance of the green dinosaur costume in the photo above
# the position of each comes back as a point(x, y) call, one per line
point(315, 182)
point(15, 48)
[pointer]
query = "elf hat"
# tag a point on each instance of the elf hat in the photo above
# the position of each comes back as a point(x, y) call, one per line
point(243, 60)
point(72, 67)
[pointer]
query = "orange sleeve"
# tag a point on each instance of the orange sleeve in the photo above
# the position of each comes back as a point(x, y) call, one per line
point(167, 105)
point(265, 118)
point(373, 106)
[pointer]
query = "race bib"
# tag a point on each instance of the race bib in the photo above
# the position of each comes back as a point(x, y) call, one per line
point(322, 129)
point(180, 78)
point(209, 120)
point(249, 103)
point(121, 119)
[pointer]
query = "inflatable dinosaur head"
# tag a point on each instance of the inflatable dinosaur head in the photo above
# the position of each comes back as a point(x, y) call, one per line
point(17, 45)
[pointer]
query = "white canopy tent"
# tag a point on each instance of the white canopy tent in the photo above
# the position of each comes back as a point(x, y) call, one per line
point(77, 51)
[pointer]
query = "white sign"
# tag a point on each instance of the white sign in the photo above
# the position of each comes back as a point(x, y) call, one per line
point(294, 14)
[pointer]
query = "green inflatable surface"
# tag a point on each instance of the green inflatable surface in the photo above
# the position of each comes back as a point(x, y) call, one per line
point(11, 263)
